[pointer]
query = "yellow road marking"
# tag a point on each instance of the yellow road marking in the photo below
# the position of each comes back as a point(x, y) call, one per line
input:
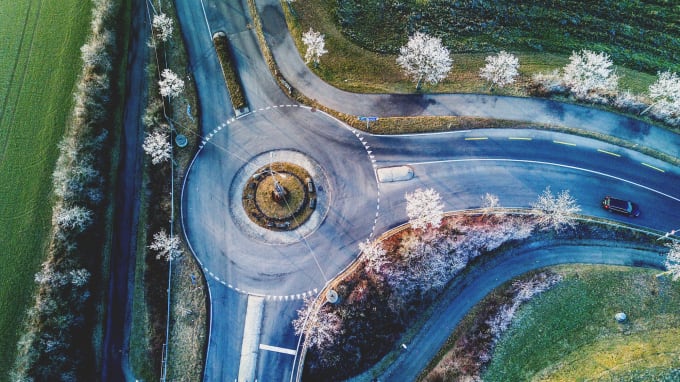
point(652, 167)
point(476, 138)
point(519, 139)
point(565, 143)
point(609, 152)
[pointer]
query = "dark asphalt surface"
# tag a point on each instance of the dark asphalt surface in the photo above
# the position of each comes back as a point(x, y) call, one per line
point(115, 365)
point(471, 169)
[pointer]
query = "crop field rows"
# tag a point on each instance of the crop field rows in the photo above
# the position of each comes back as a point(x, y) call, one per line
point(39, 62)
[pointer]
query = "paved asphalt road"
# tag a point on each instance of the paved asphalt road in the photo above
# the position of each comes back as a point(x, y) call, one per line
point(462, 170)
point(115, 365)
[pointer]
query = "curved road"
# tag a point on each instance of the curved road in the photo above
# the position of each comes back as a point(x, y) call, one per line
point(459, 298)
point(535, 110)
point(517, 165)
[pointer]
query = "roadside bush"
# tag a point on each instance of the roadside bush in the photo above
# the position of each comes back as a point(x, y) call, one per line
point(629, 103)
point(230, 72)
point(394, 283)
point(56, 344)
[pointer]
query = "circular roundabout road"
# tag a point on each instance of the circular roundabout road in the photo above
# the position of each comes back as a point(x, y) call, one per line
point(279, 264)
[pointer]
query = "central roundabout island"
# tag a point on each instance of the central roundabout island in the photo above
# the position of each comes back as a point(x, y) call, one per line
point(280, 196)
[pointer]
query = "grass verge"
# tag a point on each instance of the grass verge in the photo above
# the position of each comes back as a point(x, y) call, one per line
point(188, 314)
point(231, 77)
point(369, 67)
point(570, 332)
point(39, 65)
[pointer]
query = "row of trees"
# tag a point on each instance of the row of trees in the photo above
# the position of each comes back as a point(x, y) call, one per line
point(588, 76)
point(56, 345)
point(398, 277)
point(157, 143)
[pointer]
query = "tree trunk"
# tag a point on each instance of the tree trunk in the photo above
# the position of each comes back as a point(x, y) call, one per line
point(419, 83)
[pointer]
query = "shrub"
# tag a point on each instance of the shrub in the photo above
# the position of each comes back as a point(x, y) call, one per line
point(55, 344)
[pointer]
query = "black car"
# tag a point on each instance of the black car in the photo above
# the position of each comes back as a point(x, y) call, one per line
point(620, 206)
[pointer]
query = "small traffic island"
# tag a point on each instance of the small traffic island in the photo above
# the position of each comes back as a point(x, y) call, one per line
point(280, 196)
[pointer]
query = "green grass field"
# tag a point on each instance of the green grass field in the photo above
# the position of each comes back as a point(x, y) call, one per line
point(365, 62)
point(39, 63)
point(569, 332)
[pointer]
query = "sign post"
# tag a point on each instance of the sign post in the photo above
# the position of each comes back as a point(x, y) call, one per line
point(368, 120)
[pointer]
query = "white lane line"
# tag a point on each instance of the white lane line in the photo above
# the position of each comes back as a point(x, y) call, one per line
point(207, 24)
point(652, 167)
point(609, 153)
point(423, 134)
point(277, 349)
point(564, 143)
point(548, 164)
point(519, 138)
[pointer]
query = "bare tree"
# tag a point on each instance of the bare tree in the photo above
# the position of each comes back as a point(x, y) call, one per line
point(75, 218)
point(424, 208)
point(665, 93)
point(162, 26)
point(424, 58)
point(166, 247)
point(588, 71)
point(315, 43)
point(157, 145)
point(501, 69)
point(673, 260)
point(556, 211)
point(170, 84)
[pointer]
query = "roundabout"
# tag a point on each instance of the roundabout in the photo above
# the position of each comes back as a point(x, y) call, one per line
point(257, 239)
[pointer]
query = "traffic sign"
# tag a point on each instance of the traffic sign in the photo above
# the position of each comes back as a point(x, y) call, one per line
point(368, 119)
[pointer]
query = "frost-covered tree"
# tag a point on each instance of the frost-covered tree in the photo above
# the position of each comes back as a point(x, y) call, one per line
point(94, 51)
point(673, 260)
point(170, 84)
point(157, 145)
point(424, 208)
point(79, 277)
point(555, 211)
point(319, 326)
point(166, 246)
point(588, 71)
point(374, 254)
point(490, 202)
point(315, 43)
point(75, 218)
point(665, 94)
point(501, 69)
point(424, 58)
point(162, 26)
